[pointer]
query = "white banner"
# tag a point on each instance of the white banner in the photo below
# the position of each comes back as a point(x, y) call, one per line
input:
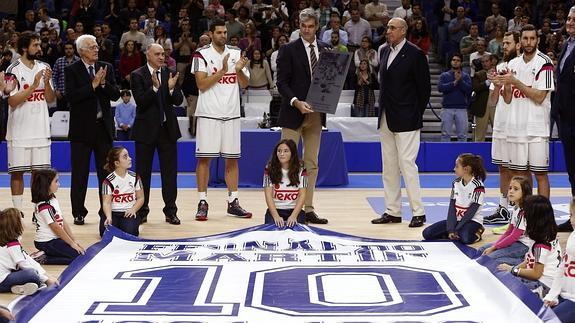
point(263, 274)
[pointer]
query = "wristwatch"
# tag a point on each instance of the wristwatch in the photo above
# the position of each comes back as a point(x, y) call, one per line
point(515, 271)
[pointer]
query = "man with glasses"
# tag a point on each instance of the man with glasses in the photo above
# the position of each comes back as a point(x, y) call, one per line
point(404, 92)
point(90, 86)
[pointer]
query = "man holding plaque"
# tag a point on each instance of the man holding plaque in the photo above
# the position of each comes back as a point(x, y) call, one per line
point(296, 62)
point(404, 92)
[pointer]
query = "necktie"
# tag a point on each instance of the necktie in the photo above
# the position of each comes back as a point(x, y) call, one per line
point(313, 58)
point(98, 107)
point(160, 98)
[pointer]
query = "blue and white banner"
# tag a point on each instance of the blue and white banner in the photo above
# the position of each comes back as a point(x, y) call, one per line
point(263, 274)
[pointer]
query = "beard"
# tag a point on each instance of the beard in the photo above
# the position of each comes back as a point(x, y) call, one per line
point(510, 56)
point(34, 56)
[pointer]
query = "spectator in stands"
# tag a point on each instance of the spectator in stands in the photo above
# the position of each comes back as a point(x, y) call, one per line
point(258, 6)
point(336, 43)
point(373, 12)
point(459, 27)
point(404, 11)
point(161, 11)
point(271, 44)
point(403, 77)
point(91, 121)
point(478, 54)
point(260, 73)
point(328, 26)
point(109, 35)
point(12, 45)
point(134, 35)
point(5, 60)
point(149, 25)
point(455, 85)
point(161, 37)
point(544, 35)
point(468, 45)
point(480, 83)
point(79, 28)
point(282, 40)
point(29, 22)
point(243, 16)
point(516, 23)
point(55, 40)
point(287, 27)
point(558, 23)
point(444, 12)
point(46, 21)
point(71, 35)
point(346, 16)
point(279, 10)
point(128, 13)
point(169, 60)
point(416, 14)
point(195, 13)
point(419, 36)
point(250, 42)
point(380, 33)
point(335, 28)
point(356, 28)
point(324, 12)
point(242, 3)
point(562, 108)
point(125, 114)
point(495, 21)
point(366, 52)
point(106, 51)
point(234, 27)
point(495, 46)
point(184, 47)
point(364, 95)
point(50, 53)
point(130, 59)
point(58, 75)
point(234, 41)
point(218, 9)
point(86, 14)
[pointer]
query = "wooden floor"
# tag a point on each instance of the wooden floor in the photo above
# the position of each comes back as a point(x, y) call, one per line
point(348, 212)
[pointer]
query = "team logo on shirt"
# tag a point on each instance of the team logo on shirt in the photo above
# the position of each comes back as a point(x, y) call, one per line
point(228, 78)
point(37, 95)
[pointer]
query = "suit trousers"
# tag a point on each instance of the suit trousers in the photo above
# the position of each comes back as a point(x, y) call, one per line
point(481, 123)
point(310, 132)
point(398, 153)
point(168, 156)
point(567, 135)
point(81, 154)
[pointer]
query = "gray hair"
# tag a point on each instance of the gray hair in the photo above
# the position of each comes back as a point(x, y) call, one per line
point(308, 13)
point(81, 41)
point(571, 10)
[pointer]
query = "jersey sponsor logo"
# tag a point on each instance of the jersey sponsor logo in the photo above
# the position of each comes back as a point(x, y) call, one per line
point(123, 198)
point(569, 267)
point(228, 78)
point(286, 195)
point(37, 95)
point(517, 93)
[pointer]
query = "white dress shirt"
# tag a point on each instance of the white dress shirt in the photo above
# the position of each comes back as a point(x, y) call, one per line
point(394, 50)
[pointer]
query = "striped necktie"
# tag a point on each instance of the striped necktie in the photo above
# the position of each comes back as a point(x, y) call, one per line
point(313, 58)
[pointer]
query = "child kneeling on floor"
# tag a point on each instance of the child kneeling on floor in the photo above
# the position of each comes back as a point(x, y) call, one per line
point(464, 220)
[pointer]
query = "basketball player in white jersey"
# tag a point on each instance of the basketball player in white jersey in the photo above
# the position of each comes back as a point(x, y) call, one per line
point(28, 129)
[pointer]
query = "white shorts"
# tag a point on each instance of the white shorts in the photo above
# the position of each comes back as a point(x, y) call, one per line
point(533, 156)
point(499, 152)
point(218, 138)
point(26, 159)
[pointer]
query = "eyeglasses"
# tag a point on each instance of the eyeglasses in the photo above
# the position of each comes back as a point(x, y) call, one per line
point(94, 47)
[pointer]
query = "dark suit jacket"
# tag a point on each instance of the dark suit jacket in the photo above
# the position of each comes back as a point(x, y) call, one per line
point(294, 79)
point(405, 88)
point(562, 107)
point(83, 101)
point(479, 104)
point(147, 124)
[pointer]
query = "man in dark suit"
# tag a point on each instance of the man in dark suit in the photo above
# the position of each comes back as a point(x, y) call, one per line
point(404, 92)
point(296, 61)
point(90, 85)
point(156, 128)
point(562, 107)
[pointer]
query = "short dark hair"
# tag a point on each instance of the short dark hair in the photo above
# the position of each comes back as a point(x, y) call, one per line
point(125, 92)
point(515, 35)
point(25, 40)
point(41, 181)
point(457, 55)
point(528, 27)
point(216, 24)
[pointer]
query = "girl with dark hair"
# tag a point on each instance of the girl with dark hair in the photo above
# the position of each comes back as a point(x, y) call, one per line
point(19, 273)
point(260, 72)
point(419, 35)
point(285, 182)
point(122, 193)
point(543, 260)
point(562, 293)
point(464, 220)
point(53, 234)
point(512, 246)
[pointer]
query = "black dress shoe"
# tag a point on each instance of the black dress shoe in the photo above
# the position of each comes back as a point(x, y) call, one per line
point(79, 220)
point(173, 219)
point(565, 227)
point(143, 219)
point(417, 221)
point(311, 217)
point(386, 218)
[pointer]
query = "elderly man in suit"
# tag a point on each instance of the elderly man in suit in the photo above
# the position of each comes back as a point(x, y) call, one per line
point(90, 86)
point(562, 107)
point(156, 128)
point(296, 62)
point(404, 92)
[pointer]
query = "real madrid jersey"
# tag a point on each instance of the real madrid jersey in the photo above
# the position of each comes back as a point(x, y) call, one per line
point(465, 195)
point(122, 189)
point(222, 100)
point(28, 123)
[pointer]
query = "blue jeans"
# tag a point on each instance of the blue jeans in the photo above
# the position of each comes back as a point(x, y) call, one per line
point(285, 215)
point(57, 251)
point(565, 311)
point(467, 233)
point(451, 117)
point(512, 255)
point(20, 277)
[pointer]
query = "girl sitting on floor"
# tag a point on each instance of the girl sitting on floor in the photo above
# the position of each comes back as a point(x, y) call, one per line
point(512, 246)
point(19, 273)
point(285, 182)
point(53, 235)
point(542, 261)
point(464, 220)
